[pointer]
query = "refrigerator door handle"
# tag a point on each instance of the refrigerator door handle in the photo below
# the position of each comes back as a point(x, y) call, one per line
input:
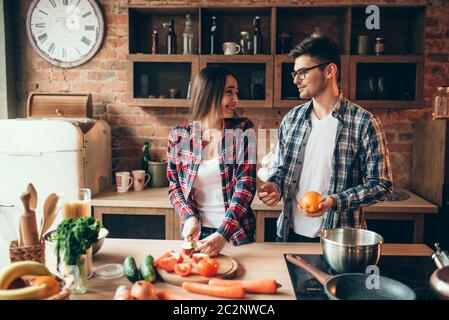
point(26, 154)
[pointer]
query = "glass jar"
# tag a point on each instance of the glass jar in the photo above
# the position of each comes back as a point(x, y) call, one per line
point(75, 276)
point(81, 275)
point(440, 108)
point(379, 46)
point(245, 42)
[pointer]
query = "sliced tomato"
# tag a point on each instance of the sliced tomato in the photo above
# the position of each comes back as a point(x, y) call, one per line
point(207, 267)
point(187, 252)
point(198, 256)
point(183, 269)
point(166, 254)
point(178, 257)
point(167, 264)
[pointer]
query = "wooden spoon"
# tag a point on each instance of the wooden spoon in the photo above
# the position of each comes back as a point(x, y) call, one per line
point(49, 209)
point(33, 199)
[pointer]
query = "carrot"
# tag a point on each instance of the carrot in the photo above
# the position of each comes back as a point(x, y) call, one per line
point(230, 292)
point(165, 295)
point(253, 286)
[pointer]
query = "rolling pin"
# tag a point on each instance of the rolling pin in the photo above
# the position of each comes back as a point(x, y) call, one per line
point(28, 226)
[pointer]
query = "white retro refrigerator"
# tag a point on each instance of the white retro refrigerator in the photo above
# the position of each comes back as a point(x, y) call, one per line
point(54, 155)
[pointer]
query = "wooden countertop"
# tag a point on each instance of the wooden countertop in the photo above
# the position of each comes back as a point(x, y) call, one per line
point(256, 260)
point(158, 198)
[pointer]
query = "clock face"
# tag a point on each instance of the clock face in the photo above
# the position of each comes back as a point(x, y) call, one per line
point(66, 33)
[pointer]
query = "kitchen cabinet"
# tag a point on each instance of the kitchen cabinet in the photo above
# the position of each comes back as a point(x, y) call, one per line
point(155, 202)
point(391, 80)
point(392, 214)
point(430, 174)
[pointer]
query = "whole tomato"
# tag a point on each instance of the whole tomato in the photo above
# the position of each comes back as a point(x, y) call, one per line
point(207, 267)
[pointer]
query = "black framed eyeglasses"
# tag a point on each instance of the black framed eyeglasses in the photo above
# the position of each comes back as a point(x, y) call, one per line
point(302, 73)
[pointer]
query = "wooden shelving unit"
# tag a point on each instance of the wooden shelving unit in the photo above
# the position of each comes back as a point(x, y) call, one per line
point(402, 28)
point(252, 72)
point(402, 76)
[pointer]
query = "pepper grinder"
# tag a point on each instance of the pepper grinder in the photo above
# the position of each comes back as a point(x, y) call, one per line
point(440, 257)
point(28, 226)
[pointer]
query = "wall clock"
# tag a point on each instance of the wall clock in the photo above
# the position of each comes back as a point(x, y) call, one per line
point(66, 33)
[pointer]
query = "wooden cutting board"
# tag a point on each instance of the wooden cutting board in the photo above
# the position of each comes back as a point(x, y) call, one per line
point(227, 268)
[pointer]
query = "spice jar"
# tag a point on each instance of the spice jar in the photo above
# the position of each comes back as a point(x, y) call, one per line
point(440, 108)
point(379, 46)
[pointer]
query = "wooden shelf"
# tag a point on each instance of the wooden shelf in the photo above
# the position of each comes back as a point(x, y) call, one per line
point(402, 29)
point(163, 58)
point(184, 69)
point(242, 67)
point(387, 58)
point(239, 58)
point(415, 69)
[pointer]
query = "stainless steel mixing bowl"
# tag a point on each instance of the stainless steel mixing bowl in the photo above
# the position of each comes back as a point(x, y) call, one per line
point(351, 250)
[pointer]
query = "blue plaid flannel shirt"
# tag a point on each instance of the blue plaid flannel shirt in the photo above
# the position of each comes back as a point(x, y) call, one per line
point(361, 172)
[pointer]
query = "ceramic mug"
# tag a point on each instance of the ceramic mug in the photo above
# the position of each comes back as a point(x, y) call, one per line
point(141, 178)
point(123, 180)
point(231, 48)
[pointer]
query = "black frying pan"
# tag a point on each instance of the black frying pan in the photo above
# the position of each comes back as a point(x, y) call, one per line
point(352, 286)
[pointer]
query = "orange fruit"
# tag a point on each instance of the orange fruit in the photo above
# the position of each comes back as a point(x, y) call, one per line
point(310, 201)
point(52, 286)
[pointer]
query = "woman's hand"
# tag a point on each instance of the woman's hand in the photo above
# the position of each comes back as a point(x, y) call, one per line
point(191, 230)
point(212, 245)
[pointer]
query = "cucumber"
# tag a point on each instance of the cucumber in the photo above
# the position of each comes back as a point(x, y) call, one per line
point(130, 269)
point(147, 270)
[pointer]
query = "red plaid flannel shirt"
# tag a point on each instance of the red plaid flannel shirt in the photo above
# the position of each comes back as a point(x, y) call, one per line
point(237, 161)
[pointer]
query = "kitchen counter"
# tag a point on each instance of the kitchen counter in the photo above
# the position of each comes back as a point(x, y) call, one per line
point(256, 261)
point(155, 201)
point(158, 198)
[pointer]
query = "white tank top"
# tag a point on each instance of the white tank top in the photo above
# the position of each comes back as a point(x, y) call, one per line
point(208, 193)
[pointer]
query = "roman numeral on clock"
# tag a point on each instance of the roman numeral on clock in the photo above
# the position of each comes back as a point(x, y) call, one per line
point(87, 14)
point(51, 49)
point(53, 3)
point(40, 25)
point(65, 2)
point(43, 37)
point(64, 53)
point(86, 41)
point(89, 28)
point(41, 11)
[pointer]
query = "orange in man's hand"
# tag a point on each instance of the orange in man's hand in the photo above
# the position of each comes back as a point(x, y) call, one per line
point(310, 201)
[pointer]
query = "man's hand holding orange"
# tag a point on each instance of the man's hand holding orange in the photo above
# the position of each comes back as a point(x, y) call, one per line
point(313, 205)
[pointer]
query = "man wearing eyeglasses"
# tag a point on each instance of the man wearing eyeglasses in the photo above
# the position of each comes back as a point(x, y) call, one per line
point(328, 145)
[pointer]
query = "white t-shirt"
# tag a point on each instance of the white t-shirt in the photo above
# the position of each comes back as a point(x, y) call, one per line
point(208, 194)
point(316, 171)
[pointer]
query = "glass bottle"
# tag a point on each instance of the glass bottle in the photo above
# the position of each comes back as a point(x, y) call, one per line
point(154, 42)
point(379, 46)
point(257, 37)
point(245, 42)
point(146, 156)
point(440, 103)
point(171, 37)
point(213, 37)
point(188, 37)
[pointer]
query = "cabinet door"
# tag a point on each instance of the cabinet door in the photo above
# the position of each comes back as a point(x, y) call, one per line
point(137, 223)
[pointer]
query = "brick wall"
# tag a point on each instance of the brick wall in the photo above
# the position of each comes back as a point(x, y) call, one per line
point(105, 77)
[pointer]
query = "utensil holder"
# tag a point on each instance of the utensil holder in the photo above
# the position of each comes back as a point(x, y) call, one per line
point(34, 253)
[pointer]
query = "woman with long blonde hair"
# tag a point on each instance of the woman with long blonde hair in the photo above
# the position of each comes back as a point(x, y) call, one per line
point(212, 165)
